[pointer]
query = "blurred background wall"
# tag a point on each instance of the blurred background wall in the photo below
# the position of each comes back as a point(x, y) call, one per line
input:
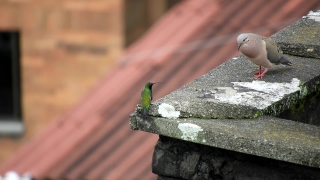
point(66, 46)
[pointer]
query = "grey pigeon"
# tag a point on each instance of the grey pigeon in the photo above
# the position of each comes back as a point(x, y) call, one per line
point(262, 51)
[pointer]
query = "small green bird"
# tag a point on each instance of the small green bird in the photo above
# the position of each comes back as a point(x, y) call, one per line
point(146, 98)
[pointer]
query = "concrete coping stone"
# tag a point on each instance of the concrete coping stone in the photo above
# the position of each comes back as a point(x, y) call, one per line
point(266, 136)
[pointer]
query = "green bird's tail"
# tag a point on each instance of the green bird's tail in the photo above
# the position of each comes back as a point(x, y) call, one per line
point(144, 112)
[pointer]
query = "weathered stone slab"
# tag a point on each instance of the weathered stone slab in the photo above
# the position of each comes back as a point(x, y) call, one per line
point(302, 37)
point(265, 136)
point(230, 91)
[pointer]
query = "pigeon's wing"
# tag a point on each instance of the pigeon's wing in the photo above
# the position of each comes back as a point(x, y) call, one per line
point(273, 52)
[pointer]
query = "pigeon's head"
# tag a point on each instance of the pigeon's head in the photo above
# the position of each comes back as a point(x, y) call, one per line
point(242, 39)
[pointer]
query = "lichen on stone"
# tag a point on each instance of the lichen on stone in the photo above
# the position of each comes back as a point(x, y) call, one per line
point(168, 111)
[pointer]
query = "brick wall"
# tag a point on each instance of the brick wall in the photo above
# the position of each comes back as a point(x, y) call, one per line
point(66, 47)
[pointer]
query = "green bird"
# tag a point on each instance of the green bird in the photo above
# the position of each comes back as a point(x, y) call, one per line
point(146, 98)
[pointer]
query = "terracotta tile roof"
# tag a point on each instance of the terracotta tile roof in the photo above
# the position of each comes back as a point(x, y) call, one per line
point(94, 141)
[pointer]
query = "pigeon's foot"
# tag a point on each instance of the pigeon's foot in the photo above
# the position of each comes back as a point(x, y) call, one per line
point(260, 74)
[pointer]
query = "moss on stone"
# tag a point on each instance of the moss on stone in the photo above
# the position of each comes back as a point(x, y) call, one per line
point(303, 91)
point(305, 106)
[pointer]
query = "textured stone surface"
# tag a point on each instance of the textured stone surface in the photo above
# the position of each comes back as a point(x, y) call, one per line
point(168, 163)
point(302, 37)
point(265, 136)
point(306, 111)
point(215, 163)
point(203, 98)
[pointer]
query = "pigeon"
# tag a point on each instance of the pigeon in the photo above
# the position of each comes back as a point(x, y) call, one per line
point(262, 51)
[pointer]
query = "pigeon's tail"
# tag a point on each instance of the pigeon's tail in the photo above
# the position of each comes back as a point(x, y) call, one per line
point(285, 61)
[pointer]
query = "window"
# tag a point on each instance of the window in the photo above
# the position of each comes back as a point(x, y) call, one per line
point(10, 92)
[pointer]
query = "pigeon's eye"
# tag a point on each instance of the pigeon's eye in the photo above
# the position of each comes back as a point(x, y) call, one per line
point(245, 39)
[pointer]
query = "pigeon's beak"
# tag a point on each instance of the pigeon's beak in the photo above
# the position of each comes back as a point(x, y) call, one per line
point(239, 46)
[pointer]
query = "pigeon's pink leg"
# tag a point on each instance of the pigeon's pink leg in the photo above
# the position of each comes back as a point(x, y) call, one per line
point(262, 74)
point(258, 72)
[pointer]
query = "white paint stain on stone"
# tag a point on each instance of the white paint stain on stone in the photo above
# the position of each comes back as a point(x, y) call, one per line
point(168, 111)
point(315, 15)
point(189, 131)
point(310, 50)
point(258, 94)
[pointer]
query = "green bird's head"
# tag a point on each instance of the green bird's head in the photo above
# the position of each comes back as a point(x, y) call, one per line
point(150, 84)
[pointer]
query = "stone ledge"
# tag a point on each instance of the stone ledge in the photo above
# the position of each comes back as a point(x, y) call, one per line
point(302, 37)
point(230, 91)
point(265, 136)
